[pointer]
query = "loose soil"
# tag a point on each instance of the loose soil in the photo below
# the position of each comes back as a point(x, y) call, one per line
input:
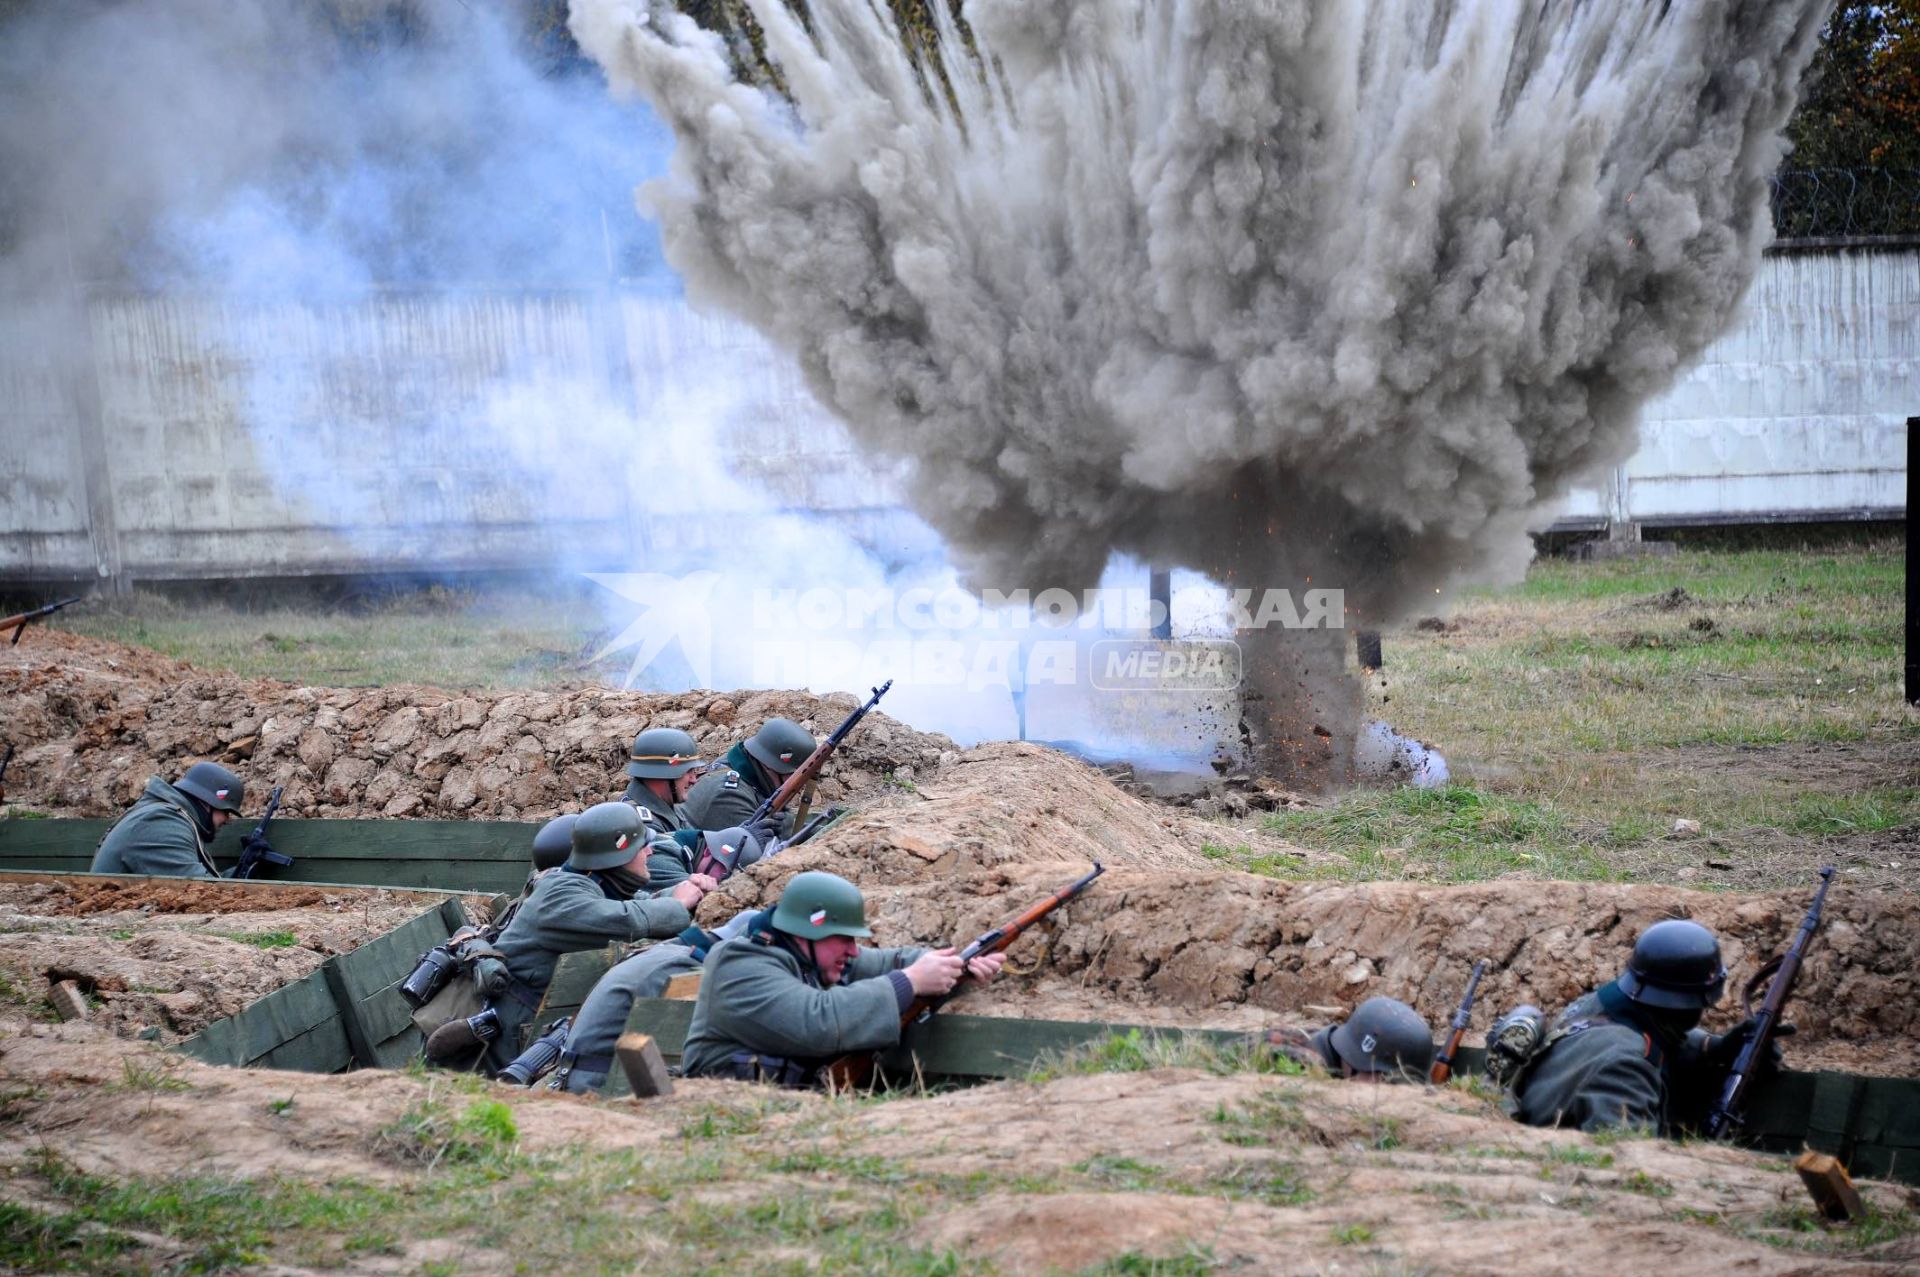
point(168, 958)
point(1255, 1173)
point(1260, 1173)
point(92, 720)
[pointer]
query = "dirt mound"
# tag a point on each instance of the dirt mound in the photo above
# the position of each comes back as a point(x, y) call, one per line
point(1241, 1172)
point(169, 958)
point(92, 720)
point(1228, 949)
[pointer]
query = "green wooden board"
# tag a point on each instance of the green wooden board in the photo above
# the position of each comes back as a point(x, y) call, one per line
point(450, 855)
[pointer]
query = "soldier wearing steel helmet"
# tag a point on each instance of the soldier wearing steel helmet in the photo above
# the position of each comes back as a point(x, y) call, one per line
point(1384, 1040)
point(663, 767)
point(167, 830)
point(597, 897)
point(729, 794)
point(586, 1054)
point(796, 990)
point(1628, 1054)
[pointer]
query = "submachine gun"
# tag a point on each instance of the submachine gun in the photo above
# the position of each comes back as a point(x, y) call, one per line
point(855, 1070)
point(1779, 974)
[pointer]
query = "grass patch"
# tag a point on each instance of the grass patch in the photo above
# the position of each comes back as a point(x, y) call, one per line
point(1353, 1235)
point(262, 939)
point(1135, 1052)
point(1273, 1183)
point(430, 1133)
point(1575, 1155)
point(1262, 1120)
point(1197, 1261)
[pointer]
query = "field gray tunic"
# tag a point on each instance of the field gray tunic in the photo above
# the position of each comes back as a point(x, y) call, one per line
point(568, 912)
point(758, 998)
point(161, 834)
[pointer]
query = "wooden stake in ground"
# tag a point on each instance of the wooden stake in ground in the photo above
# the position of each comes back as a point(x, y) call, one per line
point(646, 1069)
point(68, 1000)
point(1828, 1184)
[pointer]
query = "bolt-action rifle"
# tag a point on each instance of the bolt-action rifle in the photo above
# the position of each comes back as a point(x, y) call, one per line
point(809, 771)
point(853, 1070)
point(1729, 1111)
point(1443, 1062)
point(19, 621)
point(800, 781)
point(256, 850)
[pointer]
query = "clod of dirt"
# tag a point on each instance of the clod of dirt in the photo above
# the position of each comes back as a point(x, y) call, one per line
point(1668, 600)
point(92, 720)
point(1434, 625)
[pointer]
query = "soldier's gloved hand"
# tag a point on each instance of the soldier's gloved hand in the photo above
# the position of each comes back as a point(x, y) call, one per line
point(490, 974)
point(1724, 1048)
point(766, 829)
point(934, 973)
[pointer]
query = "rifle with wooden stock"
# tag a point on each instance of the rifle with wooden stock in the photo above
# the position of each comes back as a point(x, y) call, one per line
point(808, 771)
point(1729, 1111)
point(1443, 1062)
point(19, 621)
point(854, 1070)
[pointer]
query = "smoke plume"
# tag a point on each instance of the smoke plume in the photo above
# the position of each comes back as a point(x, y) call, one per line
point(1301, 290)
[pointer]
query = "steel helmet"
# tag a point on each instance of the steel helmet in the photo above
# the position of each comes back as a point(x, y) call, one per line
point(606, 836)
point(817, 904)
point(780, 745)
point(1675, 966)
point(662, 753)
point(554, 842)
point(724, 850)
point(1385, 1036)
point(213, 785)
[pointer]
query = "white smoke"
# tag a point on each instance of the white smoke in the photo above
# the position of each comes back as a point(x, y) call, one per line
point(1311, 289)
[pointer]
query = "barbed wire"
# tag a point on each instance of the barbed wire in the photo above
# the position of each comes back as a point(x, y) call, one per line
point(1823, 203)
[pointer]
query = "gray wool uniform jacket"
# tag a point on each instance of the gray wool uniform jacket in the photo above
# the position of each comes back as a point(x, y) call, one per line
point(568, 912)
point(758, 998)
point(159, 835)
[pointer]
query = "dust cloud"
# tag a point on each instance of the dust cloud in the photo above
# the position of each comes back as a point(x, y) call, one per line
point(1340, 293)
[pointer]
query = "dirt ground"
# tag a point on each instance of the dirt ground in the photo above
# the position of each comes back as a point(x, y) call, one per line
point(1173, 1170)
point(91, 720)
point(168, 958)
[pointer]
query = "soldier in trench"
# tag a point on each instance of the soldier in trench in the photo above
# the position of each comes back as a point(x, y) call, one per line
point(596, 898)
point(1384, 1040)
point(728, 795)
point(1630, 1053)
point(169, 828)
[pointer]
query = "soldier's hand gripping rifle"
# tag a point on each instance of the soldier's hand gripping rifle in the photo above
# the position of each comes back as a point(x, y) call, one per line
point(19, 621)
point(256, 850)
point(854, 1070)
point(1443, 1062)
point(1729, 1110)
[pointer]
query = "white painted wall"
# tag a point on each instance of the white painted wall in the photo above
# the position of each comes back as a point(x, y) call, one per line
point(1798, 412)
point(461, 430)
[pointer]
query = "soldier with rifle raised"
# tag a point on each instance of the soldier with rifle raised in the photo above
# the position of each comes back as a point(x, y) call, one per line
point(167, 830)
point(759, 780)
point(1631, 1054)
